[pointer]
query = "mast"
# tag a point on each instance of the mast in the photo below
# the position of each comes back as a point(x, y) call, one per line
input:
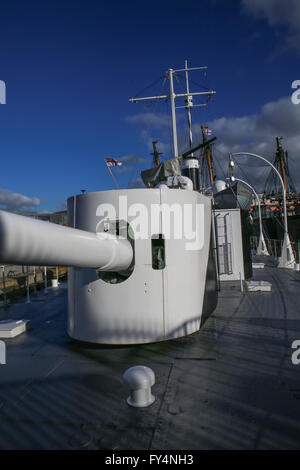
point(172, 101)
point(155, 153)
point(191, 163)
point(208, 156)
point(188, 105)
point(281, 164)
point(281, 160)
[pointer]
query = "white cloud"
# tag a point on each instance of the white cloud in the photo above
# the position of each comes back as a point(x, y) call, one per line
point(278, 13)
point(256, 134)
point(155, 121)
point(156, 127)
point(253, 133)
point(129, 163)
point(12, 201)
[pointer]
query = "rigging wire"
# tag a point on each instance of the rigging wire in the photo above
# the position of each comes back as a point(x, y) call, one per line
point(149, 86)
point(222, 170)
point(243, 173)
point(139, 156)
point(207, 110)
point(202, 86)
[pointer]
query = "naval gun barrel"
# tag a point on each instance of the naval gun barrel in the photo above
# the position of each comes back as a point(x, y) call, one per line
point(27, 241)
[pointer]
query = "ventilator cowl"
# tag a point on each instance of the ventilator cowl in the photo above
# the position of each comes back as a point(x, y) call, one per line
point(139, 380)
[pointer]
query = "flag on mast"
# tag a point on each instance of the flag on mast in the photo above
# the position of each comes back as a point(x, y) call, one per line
point(208, 131)
point(112, 162)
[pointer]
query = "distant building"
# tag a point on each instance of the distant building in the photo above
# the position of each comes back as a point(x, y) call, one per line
point(59, 217)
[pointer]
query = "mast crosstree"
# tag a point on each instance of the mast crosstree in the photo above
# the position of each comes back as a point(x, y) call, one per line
point(188, 96)
point(191, 163)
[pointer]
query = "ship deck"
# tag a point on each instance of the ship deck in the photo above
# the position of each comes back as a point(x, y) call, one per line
point(232, 385)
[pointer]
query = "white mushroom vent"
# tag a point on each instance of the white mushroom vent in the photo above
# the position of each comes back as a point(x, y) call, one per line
point(139, 380)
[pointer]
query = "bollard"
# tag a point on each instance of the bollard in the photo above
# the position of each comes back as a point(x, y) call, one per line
point(139, 380)
point(241, 282)
point(27, 286)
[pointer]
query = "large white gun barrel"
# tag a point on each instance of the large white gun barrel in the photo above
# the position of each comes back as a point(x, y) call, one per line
point(32, 242)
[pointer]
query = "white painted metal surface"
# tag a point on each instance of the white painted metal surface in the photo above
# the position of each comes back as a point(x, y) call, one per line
point(149, 287)
point(219, 185)
point(258, 265)
point(191, 163)
point(151, 304)
point(24, 240)
point(256, 286)
point(12, 328)
point(185, 273)
point(287, 258)
point(230, 244)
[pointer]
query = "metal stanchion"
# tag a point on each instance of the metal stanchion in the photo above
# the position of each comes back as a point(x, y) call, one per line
point(241, 283)
point(4, 287)
point(27, 286)
point(45, 280)
point(34, 280)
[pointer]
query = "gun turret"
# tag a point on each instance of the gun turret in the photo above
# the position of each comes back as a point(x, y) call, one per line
point(139, 280)
point(27, 241)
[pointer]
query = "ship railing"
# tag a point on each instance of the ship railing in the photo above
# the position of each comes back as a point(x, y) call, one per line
point(274, 246)
point(19, 281)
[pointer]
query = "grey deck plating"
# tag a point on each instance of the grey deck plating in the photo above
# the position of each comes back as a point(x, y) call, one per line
point(232, 385)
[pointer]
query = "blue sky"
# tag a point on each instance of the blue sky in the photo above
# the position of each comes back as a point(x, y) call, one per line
point(71, 66)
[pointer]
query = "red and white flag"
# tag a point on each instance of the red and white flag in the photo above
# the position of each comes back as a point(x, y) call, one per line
point(112, 162)
point(208, 131)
